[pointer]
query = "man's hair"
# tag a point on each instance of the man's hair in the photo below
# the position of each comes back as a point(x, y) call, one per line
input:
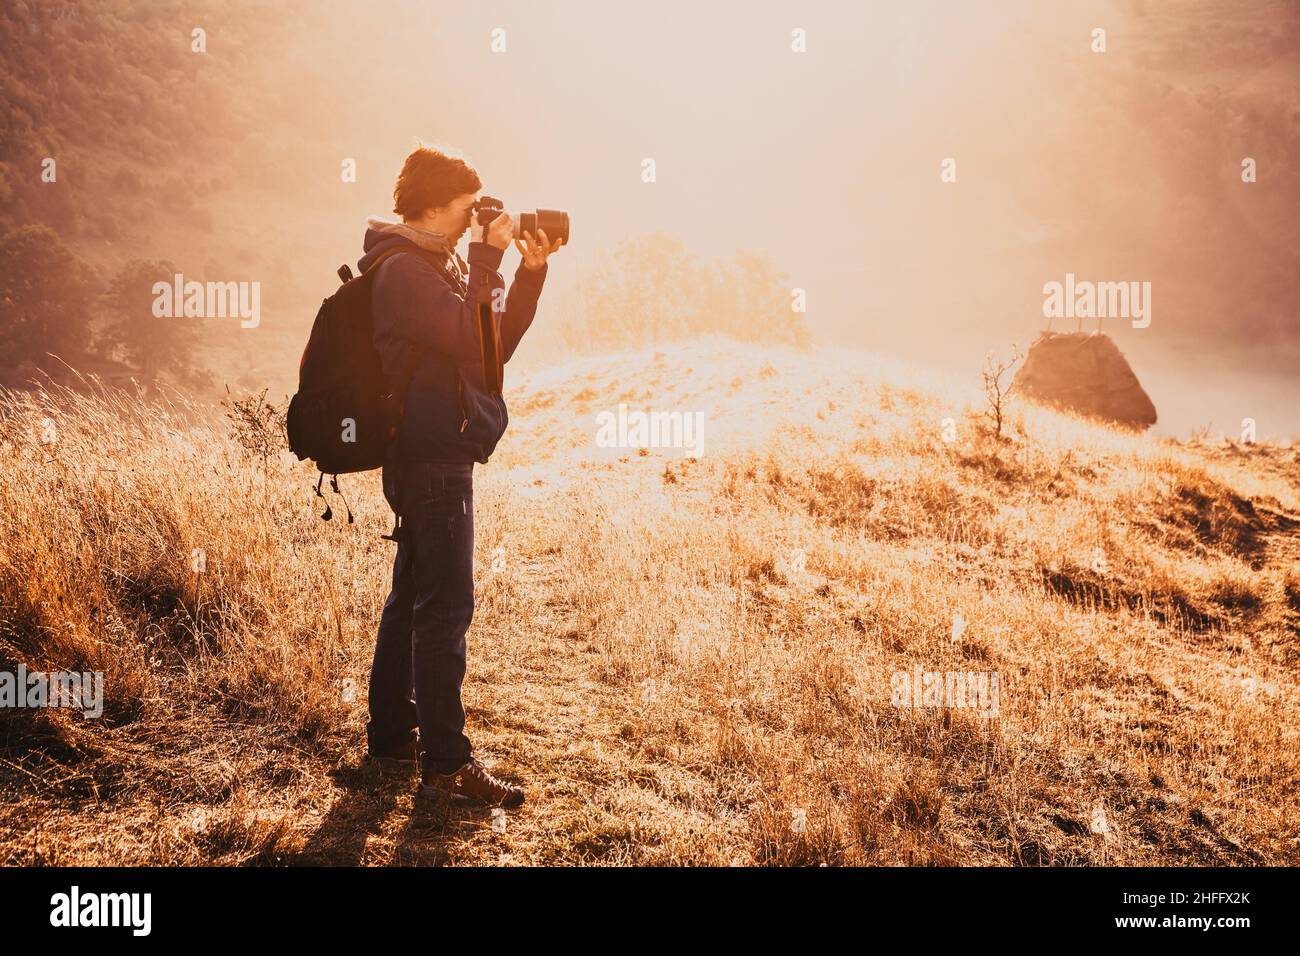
point(431, 178)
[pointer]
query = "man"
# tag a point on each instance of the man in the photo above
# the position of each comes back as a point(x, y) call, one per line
point(422, 299)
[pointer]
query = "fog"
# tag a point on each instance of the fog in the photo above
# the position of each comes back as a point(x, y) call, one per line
point(1123, 165)
point(1116, 166)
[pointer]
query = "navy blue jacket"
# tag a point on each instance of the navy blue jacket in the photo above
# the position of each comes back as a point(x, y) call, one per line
point(450, 416)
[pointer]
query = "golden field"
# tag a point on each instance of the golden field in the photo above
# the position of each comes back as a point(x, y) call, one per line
point(685, 661)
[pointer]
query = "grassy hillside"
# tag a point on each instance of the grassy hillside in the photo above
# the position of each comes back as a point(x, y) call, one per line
point(686, 661)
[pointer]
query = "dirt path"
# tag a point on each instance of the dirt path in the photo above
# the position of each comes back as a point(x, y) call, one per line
point(540, 716)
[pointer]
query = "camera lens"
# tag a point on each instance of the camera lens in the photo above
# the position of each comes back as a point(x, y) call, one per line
point(555, 223)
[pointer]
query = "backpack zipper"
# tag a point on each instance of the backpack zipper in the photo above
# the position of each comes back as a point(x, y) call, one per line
point(460, 395)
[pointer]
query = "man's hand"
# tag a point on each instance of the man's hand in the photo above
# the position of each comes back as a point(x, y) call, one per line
point(499, 231)
point(535, 252)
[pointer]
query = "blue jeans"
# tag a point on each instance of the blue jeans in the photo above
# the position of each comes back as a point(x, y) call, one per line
point(420, 651)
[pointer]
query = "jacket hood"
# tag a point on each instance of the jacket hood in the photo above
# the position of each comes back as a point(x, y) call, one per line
point(382, 234)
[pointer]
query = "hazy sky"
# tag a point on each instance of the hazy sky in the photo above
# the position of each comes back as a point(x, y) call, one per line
point(1119, 166)
point(1115, 166)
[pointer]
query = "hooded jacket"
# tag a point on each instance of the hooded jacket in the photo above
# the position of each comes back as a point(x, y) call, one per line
point(450, 416)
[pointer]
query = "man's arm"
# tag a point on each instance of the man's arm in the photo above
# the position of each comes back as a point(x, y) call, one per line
point(521, 304)
point(521, 307)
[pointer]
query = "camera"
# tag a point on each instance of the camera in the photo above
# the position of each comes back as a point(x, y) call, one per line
point(554, 221)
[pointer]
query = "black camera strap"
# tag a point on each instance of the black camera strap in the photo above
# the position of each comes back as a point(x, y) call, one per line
point(489, 340)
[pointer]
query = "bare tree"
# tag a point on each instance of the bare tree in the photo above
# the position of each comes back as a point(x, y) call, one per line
point(996, 391)
point(258, 426)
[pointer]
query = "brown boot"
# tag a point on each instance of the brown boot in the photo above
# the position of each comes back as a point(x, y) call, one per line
point(471, 782)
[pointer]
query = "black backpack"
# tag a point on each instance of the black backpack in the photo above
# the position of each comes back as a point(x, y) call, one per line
point(346, 411)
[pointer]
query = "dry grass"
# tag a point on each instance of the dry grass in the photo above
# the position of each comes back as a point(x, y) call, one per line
point(687, 661)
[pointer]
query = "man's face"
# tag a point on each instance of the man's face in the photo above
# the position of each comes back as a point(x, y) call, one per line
point(459, 212)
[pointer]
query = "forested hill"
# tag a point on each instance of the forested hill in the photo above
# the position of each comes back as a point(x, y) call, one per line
point(145, 131)
point(127, 138)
